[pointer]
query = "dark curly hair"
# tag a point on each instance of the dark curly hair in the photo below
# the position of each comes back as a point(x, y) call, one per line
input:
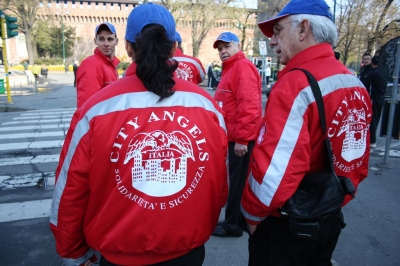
point(154, 67)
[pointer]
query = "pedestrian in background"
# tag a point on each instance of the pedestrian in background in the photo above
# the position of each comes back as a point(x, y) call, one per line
point(44, 71)
point(366, 68)
point(212, 81)
point(26, 65)
point(189, 67)
point(36, 72)
point(291, 142)
point(267, 74)
point(142, 175)
point(75, 69)
point(99, 70)
point(66, 67)
point(376, 84)
point(239, 95)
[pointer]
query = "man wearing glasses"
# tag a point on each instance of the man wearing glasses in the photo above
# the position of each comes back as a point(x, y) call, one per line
point(290, 142)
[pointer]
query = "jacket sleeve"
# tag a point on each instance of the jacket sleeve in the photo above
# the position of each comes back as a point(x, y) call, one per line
point(248, 102)
point(89, 80)
point(280, 158)
point(71, 193)
point(201, 73)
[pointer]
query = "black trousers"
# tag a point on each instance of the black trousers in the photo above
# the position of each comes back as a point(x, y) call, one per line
point(377, 104)
point(238, 167)
point(272, 243)
point(194, 258)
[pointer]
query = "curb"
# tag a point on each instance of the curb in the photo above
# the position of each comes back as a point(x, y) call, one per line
point(8, 108)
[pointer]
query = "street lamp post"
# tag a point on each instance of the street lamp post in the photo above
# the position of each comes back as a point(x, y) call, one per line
point(62, 34)
point(334, 10)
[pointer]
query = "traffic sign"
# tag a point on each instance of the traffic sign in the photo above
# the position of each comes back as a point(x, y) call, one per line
point(263, 47)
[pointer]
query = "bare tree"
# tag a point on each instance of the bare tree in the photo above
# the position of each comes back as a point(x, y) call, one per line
point(26, 13)
point(350, 28)
point(200, 15)
point(240, 14)
point(365, 26)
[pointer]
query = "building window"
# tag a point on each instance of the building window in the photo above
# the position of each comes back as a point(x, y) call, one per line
point(96, 5)
point(57, 5)
point(81, 5)
point(112, 7)
point(40, 4)
point(104, 7)
point(89, 6)
point(126, 7)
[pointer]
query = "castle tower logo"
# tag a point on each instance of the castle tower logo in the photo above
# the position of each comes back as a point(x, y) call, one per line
point(355, 128)
point(159, 165)
point(184, 71)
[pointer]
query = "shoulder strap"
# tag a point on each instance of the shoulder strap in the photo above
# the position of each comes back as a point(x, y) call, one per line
point(321, 110)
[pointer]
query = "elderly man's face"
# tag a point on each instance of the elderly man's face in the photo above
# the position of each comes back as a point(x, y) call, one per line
point(284, 40)
point(227, 49)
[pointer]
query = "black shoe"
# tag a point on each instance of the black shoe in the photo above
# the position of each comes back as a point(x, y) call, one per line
point(220, 232)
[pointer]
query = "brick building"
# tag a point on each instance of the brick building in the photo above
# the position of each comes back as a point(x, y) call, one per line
point(85, 15)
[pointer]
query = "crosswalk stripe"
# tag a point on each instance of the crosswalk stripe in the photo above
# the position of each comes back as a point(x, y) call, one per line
point(32, 145)
point(62, 120)
point(29, 160)
point(51, 110)
point(46, 113)
point(24, 210)
point(41, 117)
point(35, 127)
point(33, 135)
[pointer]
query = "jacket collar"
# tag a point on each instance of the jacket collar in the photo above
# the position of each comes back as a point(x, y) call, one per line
point(231, 60)
point(307, 55)
point(178, 52)
point(131, 70)
point(115, 61)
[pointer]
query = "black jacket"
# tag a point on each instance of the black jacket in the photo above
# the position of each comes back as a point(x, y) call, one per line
point(375, 83)
point(364, 74)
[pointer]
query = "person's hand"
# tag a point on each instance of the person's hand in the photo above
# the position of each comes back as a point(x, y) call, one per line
point(252, 228)
point(240, 149)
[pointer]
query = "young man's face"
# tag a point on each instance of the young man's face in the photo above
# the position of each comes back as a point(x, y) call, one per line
point(227, 49)
point(106, 42)
point(366, 60)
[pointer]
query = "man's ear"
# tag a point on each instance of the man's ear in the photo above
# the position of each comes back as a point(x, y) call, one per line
point(173, 50)
point(304, 29)
point(129, 50)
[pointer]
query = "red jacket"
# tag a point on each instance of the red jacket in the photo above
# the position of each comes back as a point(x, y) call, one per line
point(290, 140)
point(94, 73)
point(139, 180)
point(189, 68)
point(239, 94)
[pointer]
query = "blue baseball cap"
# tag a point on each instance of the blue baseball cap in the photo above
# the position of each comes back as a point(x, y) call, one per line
point(109, 26)
point(147, 14)
point(226, 37)
point(178, 37)
point(296, 7)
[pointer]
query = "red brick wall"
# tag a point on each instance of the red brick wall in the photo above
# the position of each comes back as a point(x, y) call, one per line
point(85, 20)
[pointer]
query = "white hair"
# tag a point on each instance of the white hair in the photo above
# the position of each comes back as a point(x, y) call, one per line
point(323, 29)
